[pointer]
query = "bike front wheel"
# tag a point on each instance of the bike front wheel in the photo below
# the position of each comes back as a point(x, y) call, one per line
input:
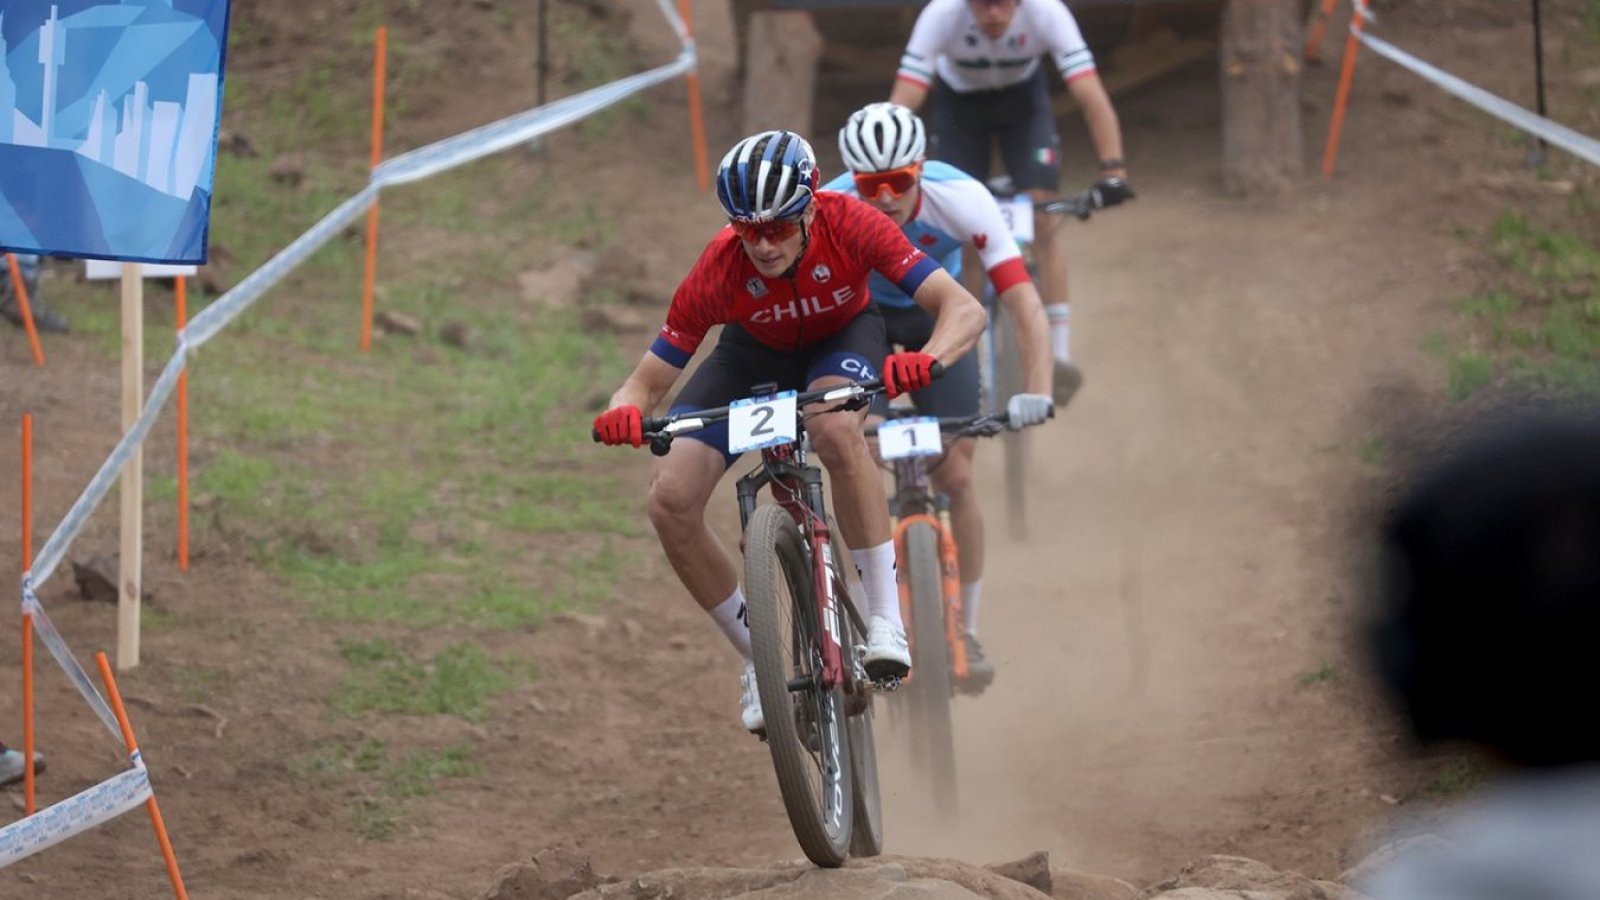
point(929, 690)
point(806, 730)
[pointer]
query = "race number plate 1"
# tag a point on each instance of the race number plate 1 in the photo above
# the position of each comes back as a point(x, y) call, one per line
point(905, 438)
point(757, 422)
point(1018, 213)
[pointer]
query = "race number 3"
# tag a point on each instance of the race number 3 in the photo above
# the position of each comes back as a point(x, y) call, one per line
point(1018, 213)
point(758, 422)
point(905, 438)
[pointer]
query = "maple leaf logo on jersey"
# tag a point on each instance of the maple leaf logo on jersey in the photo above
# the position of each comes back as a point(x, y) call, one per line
point(756, 287)
point(927, 240)
point(821, 273)
point(980, 241)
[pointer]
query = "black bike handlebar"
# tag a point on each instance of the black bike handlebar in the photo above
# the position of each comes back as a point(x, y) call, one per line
point(659, 431)
point(961, 426)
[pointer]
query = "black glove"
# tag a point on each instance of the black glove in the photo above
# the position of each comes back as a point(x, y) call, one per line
point(1110, 192)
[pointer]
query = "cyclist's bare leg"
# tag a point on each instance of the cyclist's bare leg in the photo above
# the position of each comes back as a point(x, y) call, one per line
point(1050, 257)
point(680, 488)
point(858, 501)
point(953, 478)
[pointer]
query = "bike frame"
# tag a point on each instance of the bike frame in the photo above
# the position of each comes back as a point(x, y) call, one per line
point(797, 488)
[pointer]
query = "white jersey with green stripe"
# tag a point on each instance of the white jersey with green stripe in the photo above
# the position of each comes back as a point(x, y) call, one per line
point(947, 40)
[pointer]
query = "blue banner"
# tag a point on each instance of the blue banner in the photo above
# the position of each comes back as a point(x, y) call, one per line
point(108, 126)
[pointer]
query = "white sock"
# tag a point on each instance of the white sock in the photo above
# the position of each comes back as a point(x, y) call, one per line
point(1060, 315)
point(730, 617)
point(971, 593)
point(876, 565)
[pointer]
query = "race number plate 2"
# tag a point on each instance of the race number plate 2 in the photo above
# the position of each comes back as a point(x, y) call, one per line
point(758, 422)
point(904, 438)
point(1018, 213)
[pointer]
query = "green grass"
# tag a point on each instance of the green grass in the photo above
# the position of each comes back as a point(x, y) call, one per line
point(1540, 328)
point(1373, 451)
point(385, 781)
point(1458, 776)
point(1321, 674)
point(460, 680)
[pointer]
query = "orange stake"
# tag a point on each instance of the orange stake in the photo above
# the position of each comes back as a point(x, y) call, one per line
point(1319, 25)
point(1331, 154)
point(21, 291)
point(368, 284)
point(181, 293)
point(697, 122)
point(115, 697)
point(29, 808)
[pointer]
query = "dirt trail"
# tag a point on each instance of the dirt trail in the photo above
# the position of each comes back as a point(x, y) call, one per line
point(1191, 560)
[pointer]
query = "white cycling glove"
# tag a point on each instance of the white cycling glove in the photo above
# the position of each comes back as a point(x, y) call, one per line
point(1023, 410)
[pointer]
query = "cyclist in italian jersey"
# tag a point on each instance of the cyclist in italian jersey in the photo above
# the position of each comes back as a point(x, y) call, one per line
point(981, 61)
point(787, 280)
point(942, 209)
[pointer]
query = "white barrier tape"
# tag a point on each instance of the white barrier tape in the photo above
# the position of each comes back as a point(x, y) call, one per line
point(74, 815)
point(211, 320)
point(1579, 145)
point(670, 12)
point(58, 648)
point(449, 153)
point(50, 556)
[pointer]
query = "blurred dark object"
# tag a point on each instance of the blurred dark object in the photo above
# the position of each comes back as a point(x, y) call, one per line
point(1491, 592)
point(44, 318)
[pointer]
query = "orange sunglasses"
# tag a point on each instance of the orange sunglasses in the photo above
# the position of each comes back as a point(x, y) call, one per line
point(898, 182)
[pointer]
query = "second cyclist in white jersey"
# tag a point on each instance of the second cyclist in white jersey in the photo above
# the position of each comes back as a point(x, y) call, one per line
point(941, 209)
point(982, 62)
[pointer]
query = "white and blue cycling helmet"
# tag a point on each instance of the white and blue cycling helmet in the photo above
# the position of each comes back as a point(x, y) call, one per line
point(882, 136)
point(766, 176)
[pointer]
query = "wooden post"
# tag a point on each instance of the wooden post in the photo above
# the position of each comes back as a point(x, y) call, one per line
point(781, 72)
point(130, 578)
point(1261, 142)
point(28, 805)
point(181, 315)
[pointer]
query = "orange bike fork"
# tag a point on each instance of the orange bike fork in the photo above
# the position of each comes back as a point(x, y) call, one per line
point(950, 587)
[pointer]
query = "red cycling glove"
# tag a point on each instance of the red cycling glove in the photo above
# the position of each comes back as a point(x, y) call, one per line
point(621, 425)
point(907, 372)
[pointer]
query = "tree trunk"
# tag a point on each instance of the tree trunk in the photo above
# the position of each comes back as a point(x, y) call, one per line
point(781, 51)
point(1261, 140)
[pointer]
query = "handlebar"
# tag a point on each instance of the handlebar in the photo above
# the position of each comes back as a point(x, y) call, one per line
point(960, 426)
point(659, 431)
point(1079, 206)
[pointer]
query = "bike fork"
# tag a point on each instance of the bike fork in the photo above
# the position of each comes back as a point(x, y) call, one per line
point(953, 624)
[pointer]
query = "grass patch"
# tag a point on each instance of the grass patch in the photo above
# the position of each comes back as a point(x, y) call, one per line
point(385, 780)
point(1320, 675)
point(1373, 451)
point(459, 681)
point(1458, 776)
point(1538, 329)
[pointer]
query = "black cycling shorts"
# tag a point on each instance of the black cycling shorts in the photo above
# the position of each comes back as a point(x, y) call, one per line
point(956, 392)
point(739, 362)
point(1020, 117)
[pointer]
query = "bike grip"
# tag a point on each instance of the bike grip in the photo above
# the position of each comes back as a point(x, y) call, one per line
point(936, 371)
point(595, 433)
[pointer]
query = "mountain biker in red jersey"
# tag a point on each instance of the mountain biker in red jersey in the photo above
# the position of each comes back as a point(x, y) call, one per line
point(981, 61)
point(787, 280)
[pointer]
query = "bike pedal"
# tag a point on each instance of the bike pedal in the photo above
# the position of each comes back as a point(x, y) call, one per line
point(887, 685)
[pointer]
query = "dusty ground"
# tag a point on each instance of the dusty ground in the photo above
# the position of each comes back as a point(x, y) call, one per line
point(1198, 508)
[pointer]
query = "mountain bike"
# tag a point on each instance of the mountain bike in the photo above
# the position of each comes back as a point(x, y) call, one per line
point(815, 691)
point(1000, 371)
point(930, 585)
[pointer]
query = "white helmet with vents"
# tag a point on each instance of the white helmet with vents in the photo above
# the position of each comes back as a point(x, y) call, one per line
point(882, 136)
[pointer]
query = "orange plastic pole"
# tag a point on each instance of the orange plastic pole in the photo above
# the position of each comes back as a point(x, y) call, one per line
point(697, 122)
point(1319, 26)
point(115, 697)
point(27, 618)
point(181, 292)
point(1331, 154)
point(21, 291)
point(368, 285)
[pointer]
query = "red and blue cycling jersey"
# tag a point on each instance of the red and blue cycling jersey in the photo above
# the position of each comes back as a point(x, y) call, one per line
point(828, 287)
